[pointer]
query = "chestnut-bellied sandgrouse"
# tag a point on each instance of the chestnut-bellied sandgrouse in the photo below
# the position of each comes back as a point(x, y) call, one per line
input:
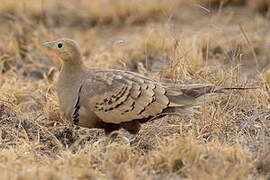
point(111, 99)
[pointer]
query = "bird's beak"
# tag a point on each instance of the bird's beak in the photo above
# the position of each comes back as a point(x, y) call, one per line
point(47, 44)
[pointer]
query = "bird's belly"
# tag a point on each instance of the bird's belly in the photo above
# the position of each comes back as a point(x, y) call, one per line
point(88, 118)
point(67, 113)
point(66, 106)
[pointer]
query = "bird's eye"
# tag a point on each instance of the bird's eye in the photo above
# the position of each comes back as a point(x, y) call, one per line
point(60, 45)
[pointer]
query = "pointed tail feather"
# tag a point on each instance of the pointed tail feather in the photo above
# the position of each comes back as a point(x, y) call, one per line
point(193, 96)
point(222, 89)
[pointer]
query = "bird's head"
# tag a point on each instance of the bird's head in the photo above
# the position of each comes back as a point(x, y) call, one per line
point(67, 49)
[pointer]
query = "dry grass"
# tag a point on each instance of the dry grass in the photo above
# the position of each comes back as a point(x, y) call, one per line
point(203, 41)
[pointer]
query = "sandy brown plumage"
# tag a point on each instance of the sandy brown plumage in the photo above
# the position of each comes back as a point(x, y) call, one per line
point(113, 99)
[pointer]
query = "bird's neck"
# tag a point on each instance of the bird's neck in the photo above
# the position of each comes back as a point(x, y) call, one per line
point(70, 73)
point(71, 68)
point(70, 76)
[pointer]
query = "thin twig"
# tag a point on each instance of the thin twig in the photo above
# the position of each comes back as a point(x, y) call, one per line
point(59, 144)
point(249, 44)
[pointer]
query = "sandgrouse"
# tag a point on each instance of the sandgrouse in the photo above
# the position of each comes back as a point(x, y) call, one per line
point(112, 99)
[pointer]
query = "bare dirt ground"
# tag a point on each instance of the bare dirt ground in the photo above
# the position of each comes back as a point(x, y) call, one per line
point(224, 43)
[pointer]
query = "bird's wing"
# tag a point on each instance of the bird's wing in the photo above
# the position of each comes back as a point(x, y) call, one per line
point(120, 96)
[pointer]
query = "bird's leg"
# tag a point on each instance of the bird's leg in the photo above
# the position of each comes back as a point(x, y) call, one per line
point(133, 127)
point(109, 130)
